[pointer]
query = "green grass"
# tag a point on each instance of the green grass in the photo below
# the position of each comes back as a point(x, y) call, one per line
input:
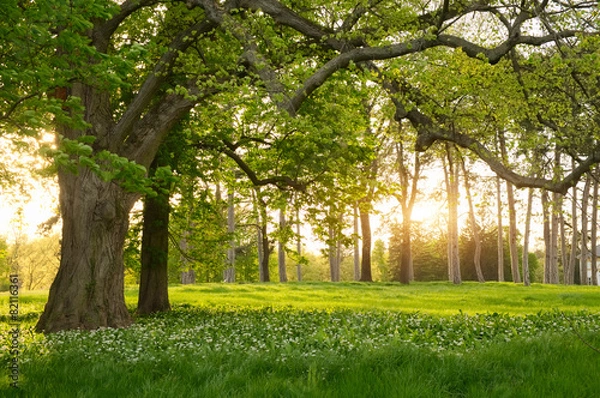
point(326, 340)
point(433, 298)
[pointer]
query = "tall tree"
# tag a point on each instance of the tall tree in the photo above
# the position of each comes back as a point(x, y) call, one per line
point(153, 294)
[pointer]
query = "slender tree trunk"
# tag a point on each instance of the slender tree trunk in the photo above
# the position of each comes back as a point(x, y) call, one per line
point(188, 275)
point(229, 273)
point(570, 269)
point(88, 291)
point(563, 240)
point(406, 252)
point(474, 225)
point(262, 238)
point(356, 245)
point(552, 269)
point(585, 253)
point(500, 231)
point(153, 294)
point(281, 250)
point(548, 237)
point(594, 231)
point(512, 234)
point(512, 218)
point(334, 266)
point(452, 192)
point(526, 234)
point(365, 227)
point(298, 245)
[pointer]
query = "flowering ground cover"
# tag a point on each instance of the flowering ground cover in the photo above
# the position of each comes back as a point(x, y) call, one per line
point(296, 348)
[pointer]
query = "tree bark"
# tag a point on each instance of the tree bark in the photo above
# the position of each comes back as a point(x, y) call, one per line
point(585, 253)
point(512, 234)
point(474, 225)
point(88, 291)
point(500, 231)
point(334, 265)
point(356, 244)
point(570, 267)
point(153, 295)
point(407, 200)
point(365, 228)
point(298, 246)
point(452, 194)
point(594, 243)
point(229, 273)
point(281, 251)
point(526, 234)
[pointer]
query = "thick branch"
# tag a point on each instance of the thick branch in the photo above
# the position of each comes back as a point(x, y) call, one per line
point(282, 182)
point(429, 132)
point(153, 82)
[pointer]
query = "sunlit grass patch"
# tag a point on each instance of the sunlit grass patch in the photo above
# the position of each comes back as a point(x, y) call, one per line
point(320, 339)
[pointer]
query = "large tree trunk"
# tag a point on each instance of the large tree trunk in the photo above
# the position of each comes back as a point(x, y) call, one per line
point(365, 228)
point(87, 292)
point(154, 281)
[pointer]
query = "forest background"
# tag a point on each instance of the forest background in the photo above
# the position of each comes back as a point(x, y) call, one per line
point(245, 126)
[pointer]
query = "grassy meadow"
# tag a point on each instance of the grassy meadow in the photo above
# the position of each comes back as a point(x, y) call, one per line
point(324, 340)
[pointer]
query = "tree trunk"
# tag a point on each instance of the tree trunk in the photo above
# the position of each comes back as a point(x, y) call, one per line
point(281, 250)
point(87, 292)
point(526, 279)
point(512, 234)
point(552, 267)
point(452, 193)
point(262, 238)
point(407, 201)
point(154, 281)
point(594, 243)
point(585, 253)
point(500, 231)
point(334, 266)
point(365, 228)
point(356, 245)
point(570, 269)
point(406, 252)
point(474, 225)
point(298, 246)
point(548, 237)
point(229, 273)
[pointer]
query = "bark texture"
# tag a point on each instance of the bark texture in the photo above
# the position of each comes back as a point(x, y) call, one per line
point(87, 292)
point(154, 280)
